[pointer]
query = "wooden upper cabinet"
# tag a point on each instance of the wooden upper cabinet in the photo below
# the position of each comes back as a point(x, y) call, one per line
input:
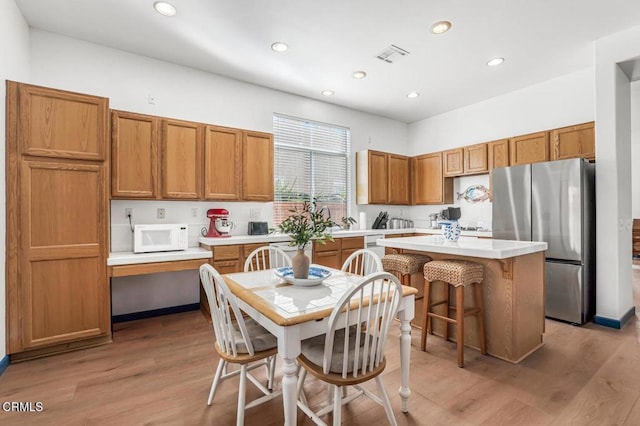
point(222, 163)
point(453, 162)
point(498, 154)
point(532, 148)
point(257, 166)
point(574, 141)
point(181, 159)
point(372, 177)
point(60, 124)
point(134, 155)
point(382, 178)
point(475, 159)
point(399, 179)
point(378, 177)
point(469, 160)
point(428, 183)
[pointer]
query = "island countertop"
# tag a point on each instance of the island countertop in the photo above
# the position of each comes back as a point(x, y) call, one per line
point(481, 248)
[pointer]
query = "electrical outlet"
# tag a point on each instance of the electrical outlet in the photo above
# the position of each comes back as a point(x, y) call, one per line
point(128, 212)
point(254, 213)
point(194, 212)
point(151, 99)
point(161, 213)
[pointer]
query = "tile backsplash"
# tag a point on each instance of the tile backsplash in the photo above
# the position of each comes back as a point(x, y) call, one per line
point(193, 213)
point(472, 214)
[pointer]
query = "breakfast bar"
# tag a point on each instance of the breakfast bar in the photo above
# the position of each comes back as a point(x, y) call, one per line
point(513, 289)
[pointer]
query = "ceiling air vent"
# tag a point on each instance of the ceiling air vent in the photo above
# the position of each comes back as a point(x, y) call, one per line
point(392, 53)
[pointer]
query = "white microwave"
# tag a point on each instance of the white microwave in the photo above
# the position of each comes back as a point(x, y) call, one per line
point(160, 237)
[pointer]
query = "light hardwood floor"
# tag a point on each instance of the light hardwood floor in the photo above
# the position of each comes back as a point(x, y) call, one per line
point(158, 371)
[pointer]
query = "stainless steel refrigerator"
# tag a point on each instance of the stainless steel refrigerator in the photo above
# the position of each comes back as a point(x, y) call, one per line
point(553, 202)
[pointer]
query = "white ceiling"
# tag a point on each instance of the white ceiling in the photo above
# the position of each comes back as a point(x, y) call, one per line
point(329, 39)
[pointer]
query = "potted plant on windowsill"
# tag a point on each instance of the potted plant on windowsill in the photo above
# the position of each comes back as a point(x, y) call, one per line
point(303, 225)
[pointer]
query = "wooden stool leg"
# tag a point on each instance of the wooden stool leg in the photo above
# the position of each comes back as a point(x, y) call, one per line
point(480, 319)
point(446, 312)
point(426, 321)
point(460, 324)
point(406, 280)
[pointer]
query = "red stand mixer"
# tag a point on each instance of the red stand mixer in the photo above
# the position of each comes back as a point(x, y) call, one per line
point(219, 223)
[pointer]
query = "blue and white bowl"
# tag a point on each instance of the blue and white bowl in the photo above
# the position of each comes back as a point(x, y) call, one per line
point(451, 231)
point(316, 276)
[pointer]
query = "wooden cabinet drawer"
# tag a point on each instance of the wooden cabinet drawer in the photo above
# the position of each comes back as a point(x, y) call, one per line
point(226, 252)
point(334, 245)
point(228, 266)
point(331, 259)
point(352, 243)
point(249, 248)
point(346, 254)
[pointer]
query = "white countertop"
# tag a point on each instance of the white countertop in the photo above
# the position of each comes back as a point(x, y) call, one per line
point(474, 247)
point(130, 258)
point(273, 238)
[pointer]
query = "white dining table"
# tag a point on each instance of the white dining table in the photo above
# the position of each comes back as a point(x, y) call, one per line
point(294, 313)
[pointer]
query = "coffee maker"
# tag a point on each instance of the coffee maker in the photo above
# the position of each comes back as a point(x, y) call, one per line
point(219, 223)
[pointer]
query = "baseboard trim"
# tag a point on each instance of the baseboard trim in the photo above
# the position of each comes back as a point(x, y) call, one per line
point(4, 363)
point(155, 313)
point(614, 323)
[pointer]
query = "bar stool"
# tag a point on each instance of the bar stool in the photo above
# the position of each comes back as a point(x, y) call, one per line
point(403, 265)
point(459, 274)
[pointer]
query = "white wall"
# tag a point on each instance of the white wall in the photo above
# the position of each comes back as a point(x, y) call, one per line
point(613, 178)
point(14, 65)
point(555, 103)
point(184, 93)
point(635, 149)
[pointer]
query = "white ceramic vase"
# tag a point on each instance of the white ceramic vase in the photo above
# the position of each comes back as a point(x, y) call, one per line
point(451, 231)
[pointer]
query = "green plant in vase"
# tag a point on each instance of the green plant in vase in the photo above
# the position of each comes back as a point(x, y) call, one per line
point(305, 224)
point(347, 222)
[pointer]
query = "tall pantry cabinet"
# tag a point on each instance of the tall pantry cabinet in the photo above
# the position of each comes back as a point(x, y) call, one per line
point(57, 221)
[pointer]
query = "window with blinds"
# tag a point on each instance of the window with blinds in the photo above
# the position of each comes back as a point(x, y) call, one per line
point(311, 161)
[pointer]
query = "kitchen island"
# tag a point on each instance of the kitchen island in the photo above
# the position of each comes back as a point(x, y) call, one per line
point(513, 290)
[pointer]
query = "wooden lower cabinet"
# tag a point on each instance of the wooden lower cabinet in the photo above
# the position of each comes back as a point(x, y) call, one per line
point(327, 254)
point(333, 253)
point(226, 259)
point(635, 238)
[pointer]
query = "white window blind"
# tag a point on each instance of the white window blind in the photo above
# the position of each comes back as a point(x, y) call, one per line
point(311, 161)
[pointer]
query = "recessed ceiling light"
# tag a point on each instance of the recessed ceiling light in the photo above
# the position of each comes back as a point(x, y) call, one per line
point(441, 27)
point(279, 46)
point(495, 62)
point(358, 75)
point(328, 92)
point(413, 95)
point(164, 8)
